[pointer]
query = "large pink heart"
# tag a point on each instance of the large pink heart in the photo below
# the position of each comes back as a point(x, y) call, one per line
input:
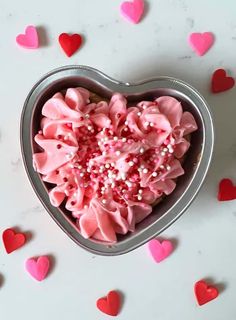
point(132, 10)
point(38, 269)
point(29, 40)
point(201, 42)
point(160, 250)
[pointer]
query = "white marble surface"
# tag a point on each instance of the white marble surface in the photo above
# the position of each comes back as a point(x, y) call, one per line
point(205, 235)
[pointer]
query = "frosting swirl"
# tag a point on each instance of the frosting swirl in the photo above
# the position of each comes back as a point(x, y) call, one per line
point(110, 163)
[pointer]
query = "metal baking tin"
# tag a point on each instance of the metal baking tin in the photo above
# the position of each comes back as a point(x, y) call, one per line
point(196, 164)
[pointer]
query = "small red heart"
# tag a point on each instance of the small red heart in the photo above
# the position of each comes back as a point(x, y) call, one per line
point(12, 240)
point(221, 82)
point(204, 293)
point(227, 191)
point(70, 43)
point(110, 304)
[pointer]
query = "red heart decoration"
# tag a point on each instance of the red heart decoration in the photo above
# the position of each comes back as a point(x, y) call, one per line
point(110, 304)
point(221, 82)
point(70, 43)
point(204, 293)
point(227, 191)
point(12, 240)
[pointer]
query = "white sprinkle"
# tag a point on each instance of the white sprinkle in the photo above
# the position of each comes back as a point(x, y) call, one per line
point(145, 170)
point(88, 170)
point(139, 169)
point(161, 166)
point(140, 191)
point(70, 155)
point(154, 174)
point(163, 153)
point(171, 150)
point(113, 185)
point(168, 168)
point(81, 174)
point(141, 150)
point(142, 166)
point(87, 116)
point(123, 191)
point(99, 143)
point(113, 164)
point(131, 163)
point(124, 139)
point(165, 149)
point(125, 129)
point(107, 165)
point(79, 167)
point(75, 194)
point(102, 167)
point(144, 107)
point(129, 184)
point(118, 153)
point(103, 188)
point(151, 124)
point(104, 201)
point(104, 153)
point(139, 197)
point(115, 138)
point(90, 128)
point(106, 139)
point(85, 206)
point(146, 123)
point(139, 114)
point(126, 123)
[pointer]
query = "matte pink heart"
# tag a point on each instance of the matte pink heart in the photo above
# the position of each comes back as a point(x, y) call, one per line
point(160, 250)
point(30, 39)
point(38, 268)
point(132, 11)
point(201, 42)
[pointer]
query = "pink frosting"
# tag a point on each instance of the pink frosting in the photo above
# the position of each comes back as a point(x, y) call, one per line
point(109, 163)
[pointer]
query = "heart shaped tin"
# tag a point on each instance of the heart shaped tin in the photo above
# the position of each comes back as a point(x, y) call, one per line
point(196, 164)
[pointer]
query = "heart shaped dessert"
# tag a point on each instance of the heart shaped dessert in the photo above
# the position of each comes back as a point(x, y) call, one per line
point(114, 163)
point(110, 162)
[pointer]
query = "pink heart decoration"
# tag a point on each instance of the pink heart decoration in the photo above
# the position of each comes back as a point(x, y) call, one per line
point(160, 250)
point(30, 39)
point(132, 11)
point(38, 268)
point(201, 42)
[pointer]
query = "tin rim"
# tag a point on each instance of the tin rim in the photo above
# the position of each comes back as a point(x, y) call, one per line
point(126, 88)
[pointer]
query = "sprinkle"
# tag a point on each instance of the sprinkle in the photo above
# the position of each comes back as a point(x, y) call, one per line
point(107, 165)
point(113, 164)
point(140, 191)
point(146, 123)
point(154, 174)
point(81, 174)
point(144, 107)
point(85, 206)
point(141, 150)
point(115, 138)
point(79, 167)
point(168, 168)
point(163, 153)
point(139, 197)
point(118, 153)
point(165, 149)
point(161, 166)
point(90, 128)
point(87, 116)
point(124, 139)
point(131, 163)
point(139, 114)
point(151, 124)
point(104, 153)
point(125, 129)
point(104, 201)
point(106, 139)
point(145, 170)
point(126, 123)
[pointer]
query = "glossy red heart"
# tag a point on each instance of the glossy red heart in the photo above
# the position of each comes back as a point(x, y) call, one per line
point(70, 43)
point(227, 191)
point(12, 240)
point(110, 304)
point(204, 293)
point(221, 82)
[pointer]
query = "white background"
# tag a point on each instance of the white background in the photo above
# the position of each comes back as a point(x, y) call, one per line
point(205, 235)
